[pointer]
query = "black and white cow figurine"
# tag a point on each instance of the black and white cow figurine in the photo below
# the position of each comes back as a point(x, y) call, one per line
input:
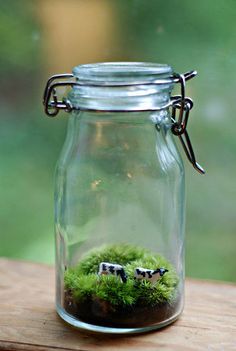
point(112, 268)
point(149, 274)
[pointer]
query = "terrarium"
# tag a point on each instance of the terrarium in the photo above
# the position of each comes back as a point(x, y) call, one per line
point(119, 195)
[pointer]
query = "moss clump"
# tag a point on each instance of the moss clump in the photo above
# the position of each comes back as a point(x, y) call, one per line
point(84, 285)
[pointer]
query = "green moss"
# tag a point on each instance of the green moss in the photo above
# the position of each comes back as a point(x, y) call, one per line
point(113, 290)
point(84, 283)
point(82, 287)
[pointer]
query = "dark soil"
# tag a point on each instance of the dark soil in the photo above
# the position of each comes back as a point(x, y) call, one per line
point(100, 312)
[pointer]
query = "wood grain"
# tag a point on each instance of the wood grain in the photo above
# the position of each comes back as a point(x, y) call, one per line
point(28, 320)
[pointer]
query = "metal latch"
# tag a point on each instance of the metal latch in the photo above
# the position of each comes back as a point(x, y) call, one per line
point(184, 105)
point(50, 99)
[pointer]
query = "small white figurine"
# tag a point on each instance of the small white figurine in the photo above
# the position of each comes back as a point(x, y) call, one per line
point(112, 268)
point(148, 274)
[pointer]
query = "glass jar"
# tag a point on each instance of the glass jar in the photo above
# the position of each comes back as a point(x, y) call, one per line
point(119, 197)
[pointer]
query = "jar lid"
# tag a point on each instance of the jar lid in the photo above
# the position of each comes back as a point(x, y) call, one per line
point(113, 73)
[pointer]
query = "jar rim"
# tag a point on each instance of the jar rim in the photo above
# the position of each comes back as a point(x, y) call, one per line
point(106, 73)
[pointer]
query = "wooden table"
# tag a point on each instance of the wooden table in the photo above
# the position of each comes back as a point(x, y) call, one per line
point(28, 320)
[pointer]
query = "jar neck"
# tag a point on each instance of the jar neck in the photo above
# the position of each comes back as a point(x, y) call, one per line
point(123, 86)
point(138, 98)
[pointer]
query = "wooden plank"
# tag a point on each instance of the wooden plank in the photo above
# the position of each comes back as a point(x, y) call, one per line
point(28, 320)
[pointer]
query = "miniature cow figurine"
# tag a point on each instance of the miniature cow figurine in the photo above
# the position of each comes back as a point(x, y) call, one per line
point(148, 274)
point(112, 268)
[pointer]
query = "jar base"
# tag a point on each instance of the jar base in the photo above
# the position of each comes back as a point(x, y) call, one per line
point(79, 324)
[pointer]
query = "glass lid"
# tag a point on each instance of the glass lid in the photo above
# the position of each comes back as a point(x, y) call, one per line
point(115, 72)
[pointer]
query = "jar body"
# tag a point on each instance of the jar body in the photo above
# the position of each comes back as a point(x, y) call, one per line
point(119, 220)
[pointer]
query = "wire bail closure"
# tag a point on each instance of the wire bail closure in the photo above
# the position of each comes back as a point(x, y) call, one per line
point(52, 105)
point(184, 105)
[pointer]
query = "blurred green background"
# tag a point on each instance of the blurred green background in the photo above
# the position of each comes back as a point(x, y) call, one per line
point(42, 37)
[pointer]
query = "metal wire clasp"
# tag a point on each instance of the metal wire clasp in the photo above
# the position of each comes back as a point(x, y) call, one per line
point(53, 106)
point(184, 105)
